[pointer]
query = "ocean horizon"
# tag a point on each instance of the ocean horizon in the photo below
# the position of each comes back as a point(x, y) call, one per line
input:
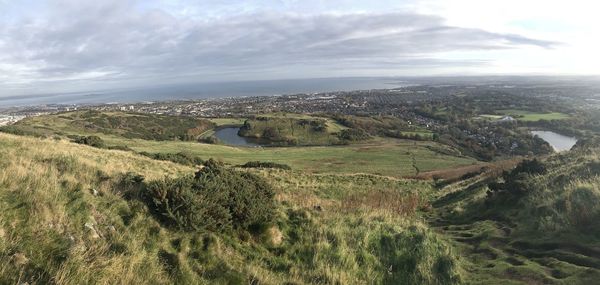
point(211, 90)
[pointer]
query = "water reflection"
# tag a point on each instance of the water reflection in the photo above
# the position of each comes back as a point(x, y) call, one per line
point(230, 136)
point(557, 141)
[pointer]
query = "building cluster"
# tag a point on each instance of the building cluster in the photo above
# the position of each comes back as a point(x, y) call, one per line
point(9, 119)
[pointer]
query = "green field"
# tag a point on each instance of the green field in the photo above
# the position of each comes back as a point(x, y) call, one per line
point(528, 116)
point(388, 157)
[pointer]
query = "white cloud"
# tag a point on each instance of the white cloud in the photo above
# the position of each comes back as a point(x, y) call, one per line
point(125, 42)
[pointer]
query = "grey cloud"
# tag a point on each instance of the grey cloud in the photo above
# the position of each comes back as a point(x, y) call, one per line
point(115, 40)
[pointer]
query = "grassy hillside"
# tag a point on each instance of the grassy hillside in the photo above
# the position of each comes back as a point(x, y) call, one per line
point(290, 131)
point(537, 224)
point(388, 157)
point(385, 126)
point(69, 218)
point(74, 214)
point(127, 125)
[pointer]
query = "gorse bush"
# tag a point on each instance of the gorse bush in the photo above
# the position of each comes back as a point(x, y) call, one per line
point(354, 135)
point(265, 164)
point(93, 141)
point(216, 198)
point(517, 182)
point(184, 158)
point(179, 203)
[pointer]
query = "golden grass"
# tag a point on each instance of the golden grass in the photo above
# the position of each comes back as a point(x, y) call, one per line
point(62, 231)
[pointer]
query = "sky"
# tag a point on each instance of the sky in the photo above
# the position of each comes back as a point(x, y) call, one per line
point(79, 45)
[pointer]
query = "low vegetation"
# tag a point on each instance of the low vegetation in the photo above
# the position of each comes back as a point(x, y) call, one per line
point(265, 164)
point(183, 157)
point(537, 223)
point(289, 131)
point(363, 154)
point(128, 125)
point(82, 215)
point(216, 198)
point(388, 126)
point(85, 204)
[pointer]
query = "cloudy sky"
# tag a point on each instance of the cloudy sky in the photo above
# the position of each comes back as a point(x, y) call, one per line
point(76, 45)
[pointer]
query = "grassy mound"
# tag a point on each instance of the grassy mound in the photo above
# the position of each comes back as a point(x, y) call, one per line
point(128, 125)
point(289, 131)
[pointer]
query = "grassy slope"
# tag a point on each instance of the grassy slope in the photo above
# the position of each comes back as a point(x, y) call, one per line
point(389, 157)
point(330, 229)
point(332, 125)
point(130, 125)
point(547, 235)
point(296, 130)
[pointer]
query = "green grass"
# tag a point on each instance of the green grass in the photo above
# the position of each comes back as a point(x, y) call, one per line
point(334, 225)
point(228, 121)
point(130, 125)
point(388, 157)
point(544, 230)
point(332, 126)
point(528, 116)
point(66, 220)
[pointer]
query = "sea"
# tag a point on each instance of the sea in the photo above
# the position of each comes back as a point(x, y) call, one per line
point(207, 90)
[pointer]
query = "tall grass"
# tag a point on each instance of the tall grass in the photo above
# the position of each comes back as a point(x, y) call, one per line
point(65, 221)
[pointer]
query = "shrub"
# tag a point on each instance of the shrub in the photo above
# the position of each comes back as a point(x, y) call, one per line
point(582, 204)
point(216, 198)
point(179, 203)
point(262, 164)
point(354, 135)
point(119, 147)
point(209, 140)
point(517, 182)
point(184, 158)
point(533, 166)
point(93, 141)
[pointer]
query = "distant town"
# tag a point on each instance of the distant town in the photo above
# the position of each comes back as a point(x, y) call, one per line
point(401, 102)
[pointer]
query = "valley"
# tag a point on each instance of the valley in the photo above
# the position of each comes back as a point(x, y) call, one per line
point(325, 198)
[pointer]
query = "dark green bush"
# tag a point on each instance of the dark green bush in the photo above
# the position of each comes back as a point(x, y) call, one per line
point(533, 166)
point(216, 198)
point(182, 204)
point(93, 141)
point(516, 182)
point(209, 140)
point(354, 135)
point(184, 158)
point(119, 147)
point(263, 164)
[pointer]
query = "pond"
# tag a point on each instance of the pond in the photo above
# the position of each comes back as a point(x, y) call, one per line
point(230, 136)
point(557, 141)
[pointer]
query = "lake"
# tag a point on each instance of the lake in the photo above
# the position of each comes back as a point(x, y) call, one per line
point(557, 141)
point(230, 136)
